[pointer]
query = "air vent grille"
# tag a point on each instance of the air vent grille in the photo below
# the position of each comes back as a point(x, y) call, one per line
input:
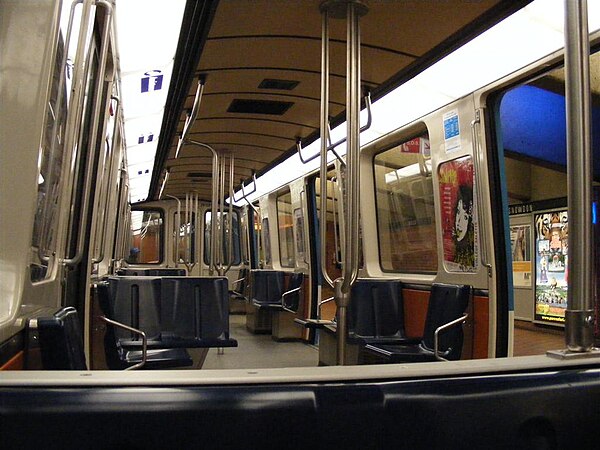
point(259, 107)
point(282, 85)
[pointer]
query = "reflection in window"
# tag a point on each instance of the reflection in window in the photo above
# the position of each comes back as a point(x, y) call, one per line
point(286, 230)
point(266, 239)
point(186, 238)
point(146, 237)
point(405, 210)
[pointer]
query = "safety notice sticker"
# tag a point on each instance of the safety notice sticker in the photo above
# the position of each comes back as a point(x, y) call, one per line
point(451, 131)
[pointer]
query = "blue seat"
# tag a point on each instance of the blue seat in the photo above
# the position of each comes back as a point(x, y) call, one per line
point(290, 299)
point(267, 288)
point(376, 312)
point(156, 272)
point(61, 346)
point(195, 312)
point(174, 312)
point(61, 341)
point(442, 336)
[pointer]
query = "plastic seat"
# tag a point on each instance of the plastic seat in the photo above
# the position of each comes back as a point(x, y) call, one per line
point(267, 288)
point(61, 345)
point(443, 335)
point(290, 299)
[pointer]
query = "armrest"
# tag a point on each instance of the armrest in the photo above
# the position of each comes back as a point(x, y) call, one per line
point(445, 328)
point(133, 330)
point(286, 294)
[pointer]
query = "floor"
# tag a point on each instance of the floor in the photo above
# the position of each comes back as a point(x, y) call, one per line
point(532, 339)
point(259, 351)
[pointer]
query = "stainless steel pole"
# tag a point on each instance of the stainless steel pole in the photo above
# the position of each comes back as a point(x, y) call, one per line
point(579, 330)
point(324, 140)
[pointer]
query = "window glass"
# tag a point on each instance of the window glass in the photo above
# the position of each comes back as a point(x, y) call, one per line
point(266, 240)
point(286, 230)
point(185, 238)
point(235, 238)
point(146, 237)
point(50, 165)
point(405, 210)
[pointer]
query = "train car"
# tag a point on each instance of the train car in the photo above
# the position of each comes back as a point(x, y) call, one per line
point(361, 224)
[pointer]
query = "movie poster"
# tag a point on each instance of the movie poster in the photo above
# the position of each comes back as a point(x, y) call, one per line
point(459, 215)
point(551, 267)
point(520, 239)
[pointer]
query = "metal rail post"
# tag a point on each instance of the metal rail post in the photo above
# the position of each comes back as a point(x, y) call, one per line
point(579, 329)
point(342, 286)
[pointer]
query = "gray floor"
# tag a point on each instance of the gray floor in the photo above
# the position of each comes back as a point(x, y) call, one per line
point(259, 351)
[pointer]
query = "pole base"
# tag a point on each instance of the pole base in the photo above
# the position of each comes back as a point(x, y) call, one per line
point(567, 354)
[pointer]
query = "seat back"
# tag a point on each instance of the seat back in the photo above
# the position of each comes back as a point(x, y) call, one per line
point(267, 285)
point(156, 272)
point(61, 341)
point(291, 301)
point(195, 307)
point(376, 308)
point(133, 301)
point(447, 302)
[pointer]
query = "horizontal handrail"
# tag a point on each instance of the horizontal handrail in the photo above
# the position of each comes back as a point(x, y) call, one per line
point(244, 194)
point(365, 127)
point(445, 327)
point(133, 330)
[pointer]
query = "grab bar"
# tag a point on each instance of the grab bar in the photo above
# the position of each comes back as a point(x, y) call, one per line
point(82, 229)
point(479, 195)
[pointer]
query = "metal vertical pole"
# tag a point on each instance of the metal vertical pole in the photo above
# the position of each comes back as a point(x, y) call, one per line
point(342, 286)
point(324, 124)
point(579, 330)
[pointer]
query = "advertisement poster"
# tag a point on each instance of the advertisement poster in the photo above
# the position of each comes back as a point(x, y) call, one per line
point(551, 268)
point(459, 215)
point(520, 239)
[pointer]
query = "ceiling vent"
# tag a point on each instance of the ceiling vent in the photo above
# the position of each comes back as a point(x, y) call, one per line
point(199, 175)
point(282, 85)
point(259, 107)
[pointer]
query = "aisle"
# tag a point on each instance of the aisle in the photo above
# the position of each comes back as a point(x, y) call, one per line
point(259, 351)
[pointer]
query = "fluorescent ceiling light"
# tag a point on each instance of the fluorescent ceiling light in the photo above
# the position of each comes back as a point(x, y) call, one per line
point(526, 36)
point(148, 32)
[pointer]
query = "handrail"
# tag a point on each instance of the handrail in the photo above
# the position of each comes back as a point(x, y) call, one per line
point(442, 328)
point(177, 228)
point(214, 206)
point(191, 117)
point(336, 236)
point(331, 147)
point(479, 195)
point(133, 330)
point(244, 194)
point(110, 159)
point(44, 235)
point(365, 127)
point(324, 124)
point(230, 218)
point(257, 212)
point(164, 183)
point(91, 151)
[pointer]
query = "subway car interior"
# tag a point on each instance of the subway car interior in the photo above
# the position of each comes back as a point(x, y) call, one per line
point(293, 223)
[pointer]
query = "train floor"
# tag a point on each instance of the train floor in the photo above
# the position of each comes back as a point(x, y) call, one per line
point(259, 351)
point(256, 351)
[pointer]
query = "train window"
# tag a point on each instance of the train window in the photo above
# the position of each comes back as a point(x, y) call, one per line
point(285, 225)
point(146, 237)
point(185, 241)
point(235, 238)
point(405, 209)
point(50, 166)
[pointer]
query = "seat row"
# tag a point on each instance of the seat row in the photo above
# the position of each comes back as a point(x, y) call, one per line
point(376, 323)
